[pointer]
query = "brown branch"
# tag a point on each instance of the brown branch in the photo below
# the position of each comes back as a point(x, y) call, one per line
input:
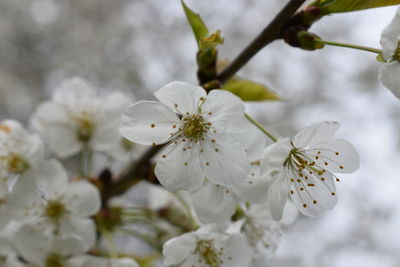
point(271, 33)
point(134, 173)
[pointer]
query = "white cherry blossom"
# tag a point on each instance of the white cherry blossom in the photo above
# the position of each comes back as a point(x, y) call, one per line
point(200, 128)
point(207, 247)
point(19, 150)
point(55, 204)
point(302, 169)
point(389, 72)
point(77, 118)
point(42, 250)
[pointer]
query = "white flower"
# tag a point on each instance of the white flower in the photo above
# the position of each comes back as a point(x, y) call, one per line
point(389, 73)
point(19, 150)
point(207, 247)
point(57, 205)
point(200, 128)
point(261, 231)
point(302, 169)
point(41, 250)
point(77, 117)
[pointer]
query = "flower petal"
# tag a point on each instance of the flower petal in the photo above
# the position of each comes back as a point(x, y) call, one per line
point(389, 74)
point(68, 246)
point(149, 123)
point(277, 194)
point(213, 203)
point(182, 97)
point(275, 155)
point(316, 195)
point(254, 188)
point(225, 111)
point(177, 249)
point(336, 156)
point(82, 198)
point(179, 168)
point(31, 243)
point(223, 160)
point(390, 37)
point(72, 225)
point(317, 133)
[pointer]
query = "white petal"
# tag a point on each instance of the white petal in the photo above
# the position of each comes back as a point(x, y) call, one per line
point(105, 137)
point(179, 168)
point(225, 111)
point(177, 249)
point(213, 203)
point(35, 151)
point(69, 246)
point(51, 176)
point(336, 156)
point(275, 155)
point(315, 199)
point(31, 243)
point(390, 37)
point(317, 133)
point(149, 123)
point(180, 96)
point(82, 198)
point(389, 74)
point(52, 122)
point(223, 160)
point(235, 253)
point(254, 188)
point(253, 141)
point(278, 194)
point(72, 225)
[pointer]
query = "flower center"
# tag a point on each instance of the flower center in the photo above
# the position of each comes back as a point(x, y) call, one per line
point(206, 251)
point(16, 164)
point(54, 260)
point(194, 127)
point(55, 210)
point(86, 126)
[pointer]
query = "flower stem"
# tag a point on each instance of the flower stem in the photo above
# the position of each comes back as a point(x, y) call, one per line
point(259, 126)
point(353, 46)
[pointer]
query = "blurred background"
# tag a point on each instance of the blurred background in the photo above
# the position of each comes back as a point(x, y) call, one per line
point(138, 46)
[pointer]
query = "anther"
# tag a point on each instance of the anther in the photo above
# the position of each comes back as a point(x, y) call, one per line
point(152, 125)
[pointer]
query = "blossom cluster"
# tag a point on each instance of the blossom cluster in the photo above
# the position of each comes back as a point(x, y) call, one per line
point(46, 216)
point(224, 176)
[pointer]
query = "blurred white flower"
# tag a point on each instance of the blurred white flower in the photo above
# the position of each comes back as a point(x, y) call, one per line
point(19, 150)
point(200, 127)
point(55, 204)
point(41, 250)
point(77, 118)
point(90, 261)
point(262, 232)
point(207, 247)
point(302, 169)
point(389, 73)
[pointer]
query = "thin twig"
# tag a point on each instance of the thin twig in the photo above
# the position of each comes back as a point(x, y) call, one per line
point(271, 33)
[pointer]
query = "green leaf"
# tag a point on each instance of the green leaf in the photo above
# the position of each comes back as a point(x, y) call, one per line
point(198, 26)
point(249, 90)
point(337, 6)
